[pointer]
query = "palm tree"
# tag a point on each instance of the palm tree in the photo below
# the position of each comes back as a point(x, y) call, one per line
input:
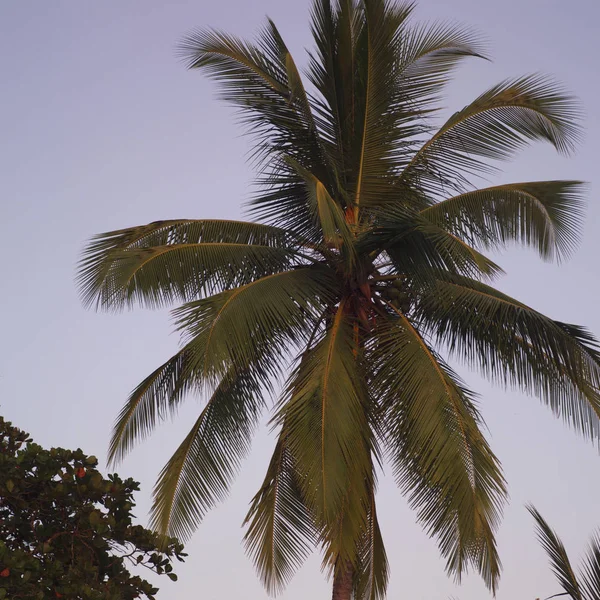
point(587, 585)
point(361, 266)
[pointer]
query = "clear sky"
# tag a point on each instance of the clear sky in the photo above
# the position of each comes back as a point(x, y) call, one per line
point(102, 128)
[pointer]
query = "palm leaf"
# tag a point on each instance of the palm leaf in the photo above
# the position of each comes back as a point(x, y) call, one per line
point(515, 344)
point(419, 248)
point(440, 457)
point(258, 321)
point(152, 400)
point(499, 122)
point(221, 330)
point(281, 532)
point(429, 54)
point(544, 214)
point(378, 112)
point(200, 471)
point(328, 435)
point(262, 80)
point(558, 556)
point(590, 578)
point(371, 575)
point(326, 213)
point(168, 260)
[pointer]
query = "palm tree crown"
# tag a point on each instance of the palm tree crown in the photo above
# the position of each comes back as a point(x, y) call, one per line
point(363, 263)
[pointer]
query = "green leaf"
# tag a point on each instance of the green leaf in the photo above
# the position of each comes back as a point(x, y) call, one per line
point(498, 123)
point(441, 459)
point(546, 215)
point(200, 471)
point(281, 531)
point(559, 559)
point(165, 261)
point(328, 435)
point(590, 579)
point(372, 572)
point(514, 344)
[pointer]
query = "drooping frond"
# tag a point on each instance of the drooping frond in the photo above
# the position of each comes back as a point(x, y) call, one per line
point(590, 577)
point(165, 261)
point(257, 321)
point(152, 400)
point(199, 473)
point(440, 457)
point(559, 559)
point(372, 573)
point(281, 530)
point(546, 215)
point(328, 435)
point(243, 326)
point(517, 345)
point(494, 126)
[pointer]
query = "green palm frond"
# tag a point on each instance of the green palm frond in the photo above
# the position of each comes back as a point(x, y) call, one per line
point(546, 215)
point(262, 80)
point(440, 457)
point(590, 577)
point(326, 213)
point(515, 344)
point(258, 320)
point(328, 435)
point(152, 400)
point(419, 249)
point(173, 260)
point(281, 530)
point(200, 471)
point(372, 573)
point(429, 54)
point(557, 554)
point(494, 126)
point(378, 114)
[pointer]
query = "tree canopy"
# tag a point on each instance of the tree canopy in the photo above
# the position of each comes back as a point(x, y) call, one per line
point(66, 531)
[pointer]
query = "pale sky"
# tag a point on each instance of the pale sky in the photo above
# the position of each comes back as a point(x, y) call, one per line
point(102, 128)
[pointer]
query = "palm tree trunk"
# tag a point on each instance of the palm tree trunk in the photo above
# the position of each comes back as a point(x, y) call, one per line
point(342, 585)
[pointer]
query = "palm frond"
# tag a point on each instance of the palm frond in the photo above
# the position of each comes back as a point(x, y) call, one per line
point(262, 80)
point(428, 55)
point(328, 435)
point(258, 320)
point(172, 260)
point(199, 473)
point(558, 556)
point(372, 573)
point(332, 72)
point(590, 577)
point(159, 395)
point(281, 530)
point(378, 114)
point(440, 457)
point(326, 213)
point(546, 215)
point(419, 248)
point(494, 126)
point(517, 345)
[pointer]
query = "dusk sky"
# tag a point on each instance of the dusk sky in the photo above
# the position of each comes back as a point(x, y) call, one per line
point(103, 128)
